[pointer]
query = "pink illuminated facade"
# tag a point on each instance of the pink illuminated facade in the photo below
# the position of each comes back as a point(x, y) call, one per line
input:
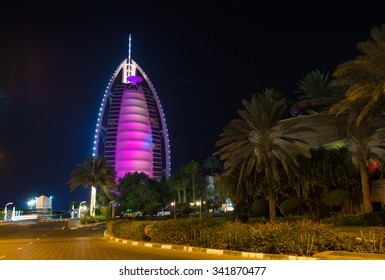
point(131, 132)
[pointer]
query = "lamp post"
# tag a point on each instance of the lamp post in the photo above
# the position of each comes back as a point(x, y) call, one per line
point(31, 203)
point(174, 205)
point(200, 207)
point(113, 209)
point(81, 207)
point(5, 210)
point(50, 204)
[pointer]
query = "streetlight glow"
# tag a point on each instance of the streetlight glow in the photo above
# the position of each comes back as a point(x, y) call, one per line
point(174, 205)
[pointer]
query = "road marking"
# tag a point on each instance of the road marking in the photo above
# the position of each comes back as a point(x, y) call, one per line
point(30, 242)
point(37, 238)
point(19, 248)
point(2, 257)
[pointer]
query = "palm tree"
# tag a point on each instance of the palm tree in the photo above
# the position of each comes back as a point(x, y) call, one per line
point(212, 163)
point(317, 93)
point(175, 183)
point(94, 172)
point(192, 169)
point(317, 84)
point(366, 146)
point(258, 141)
point(364, 78)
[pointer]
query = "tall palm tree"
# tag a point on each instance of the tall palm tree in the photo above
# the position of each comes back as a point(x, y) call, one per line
point(259, 142)
point(366, 146)
point(192, 169)
point(175, 183)
point(316, 84)
point(94, 172)
point(364, 78)
point(317, 93)
point(212, 163)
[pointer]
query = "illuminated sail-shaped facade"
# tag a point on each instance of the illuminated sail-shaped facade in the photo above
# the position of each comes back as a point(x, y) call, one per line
point(131, 131)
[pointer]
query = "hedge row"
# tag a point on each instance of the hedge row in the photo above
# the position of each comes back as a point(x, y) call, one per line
point(368, 219)
point(303, 237)
point(92, 219)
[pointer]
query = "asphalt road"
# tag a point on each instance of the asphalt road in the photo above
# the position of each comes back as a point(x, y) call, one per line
point(31, 240)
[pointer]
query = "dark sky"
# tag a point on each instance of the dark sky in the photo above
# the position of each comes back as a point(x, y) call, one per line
point(203, 58)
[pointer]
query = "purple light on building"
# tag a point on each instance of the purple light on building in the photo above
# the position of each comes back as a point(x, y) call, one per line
point(134, 139)
point(131, 131)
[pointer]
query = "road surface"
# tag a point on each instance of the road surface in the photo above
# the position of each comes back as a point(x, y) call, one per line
point(31, 240)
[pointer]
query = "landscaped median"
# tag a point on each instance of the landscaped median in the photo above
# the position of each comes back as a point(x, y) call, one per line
point(297, 238)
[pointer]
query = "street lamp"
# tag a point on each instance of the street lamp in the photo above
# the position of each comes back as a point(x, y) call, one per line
point(5, 210)
point(83, 208)
point(200, 207)
point(31, 203)
point(174, 205)
point(113, 209)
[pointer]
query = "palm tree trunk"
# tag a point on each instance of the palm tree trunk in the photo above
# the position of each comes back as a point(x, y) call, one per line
point(365, 189)
point(179, 197)
point(272, 212)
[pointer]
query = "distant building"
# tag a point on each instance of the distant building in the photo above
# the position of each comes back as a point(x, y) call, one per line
point(131, 131)
point(43, 203)
point(329, 130)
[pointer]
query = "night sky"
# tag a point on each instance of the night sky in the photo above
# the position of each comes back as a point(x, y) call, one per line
point(203, 59)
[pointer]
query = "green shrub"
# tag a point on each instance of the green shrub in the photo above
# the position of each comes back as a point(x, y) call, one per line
point(87, 220)
point(336, 197)
point(92, 219)
point(233, 236)
point(299, 237)
point(260, 208)
point(374, 219)
point(105, 211)
point(172, 232)
point(128, 229)
point(291, 206)
point(368, 219)
point(100, 218)
point(260, 220)
point(371, 242)
point(191, 231)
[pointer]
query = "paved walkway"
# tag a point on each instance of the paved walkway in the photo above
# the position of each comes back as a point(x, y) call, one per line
point(340, 255)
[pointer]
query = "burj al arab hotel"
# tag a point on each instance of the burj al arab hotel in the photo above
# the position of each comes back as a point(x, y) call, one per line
point(131, 131)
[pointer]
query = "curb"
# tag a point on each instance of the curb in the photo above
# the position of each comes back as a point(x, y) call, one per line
point(258, 256)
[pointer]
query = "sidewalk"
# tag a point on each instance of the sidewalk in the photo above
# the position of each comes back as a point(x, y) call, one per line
point(339, 255)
